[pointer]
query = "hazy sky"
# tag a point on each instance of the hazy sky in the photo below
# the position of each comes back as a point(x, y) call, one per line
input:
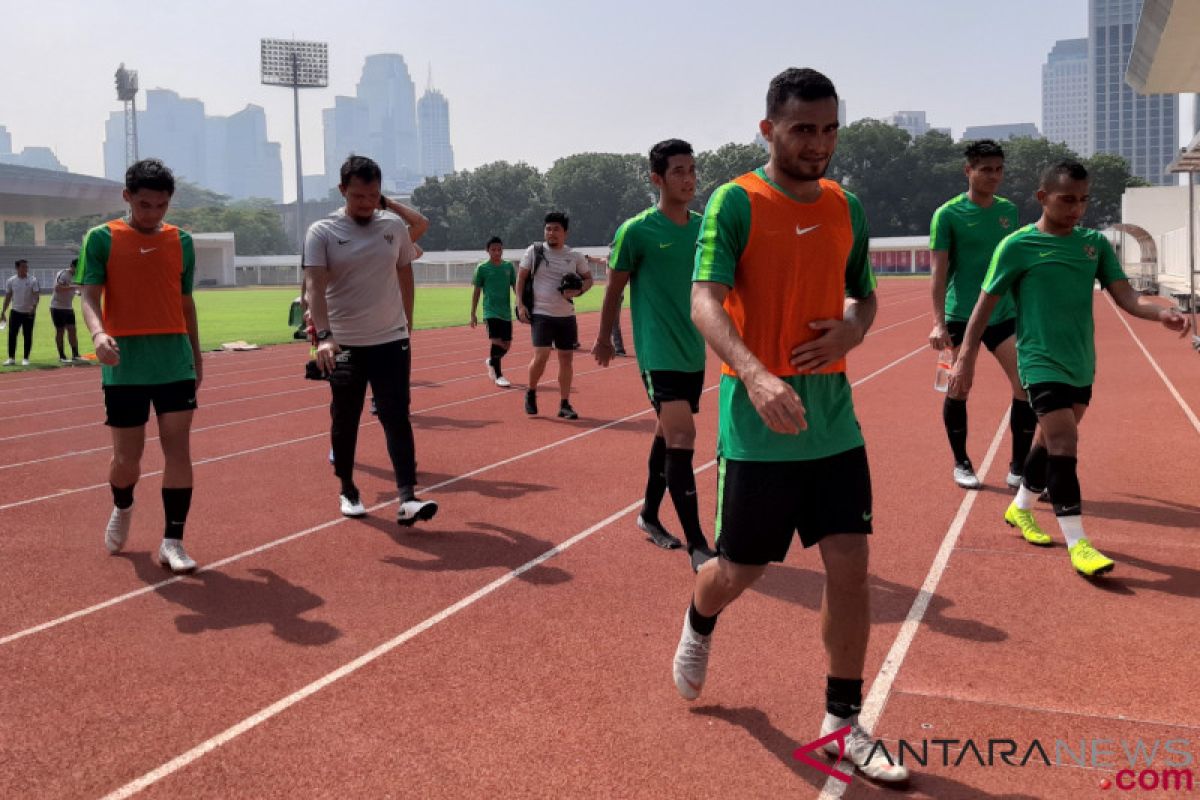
point(529, 80)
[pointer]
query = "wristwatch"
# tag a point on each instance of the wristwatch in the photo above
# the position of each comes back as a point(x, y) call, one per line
point(323, 335)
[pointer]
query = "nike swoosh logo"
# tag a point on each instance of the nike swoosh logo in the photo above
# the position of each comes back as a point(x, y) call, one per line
point(662, 246)
point(1045, 254)
point(867, 516)
point(343, 241)
point(690, 493)
point(147, 250)
point(972, 224)
point(801, 231)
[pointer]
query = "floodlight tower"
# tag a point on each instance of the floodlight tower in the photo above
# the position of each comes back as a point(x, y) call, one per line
point(127, 89)
point(300, 65)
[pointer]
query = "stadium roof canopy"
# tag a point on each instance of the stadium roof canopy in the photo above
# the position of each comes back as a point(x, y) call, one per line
point(1166, 49)
point(26, 192)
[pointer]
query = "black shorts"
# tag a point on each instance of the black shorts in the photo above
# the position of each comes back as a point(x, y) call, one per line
point(993, 335)
point(561, 333)
point(762, 504)
point(665, 386)
point(62, 317)
point(499, 329)
point(129, 406)
point(1047, 397)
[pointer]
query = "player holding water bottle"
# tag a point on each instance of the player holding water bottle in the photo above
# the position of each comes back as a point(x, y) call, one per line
point(962, 236)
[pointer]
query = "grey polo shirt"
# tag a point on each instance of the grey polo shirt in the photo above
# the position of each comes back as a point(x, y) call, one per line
point(363, 293)
point(23, 292)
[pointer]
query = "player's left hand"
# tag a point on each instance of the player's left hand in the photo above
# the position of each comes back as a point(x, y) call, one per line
point(839, 338)
point(199, 372)
point(1174, 320)
point(571, 293)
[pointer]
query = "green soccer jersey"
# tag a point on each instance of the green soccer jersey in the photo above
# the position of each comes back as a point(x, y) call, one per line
point(1051, 278)
point(658, 253)
point(727, 231)
point(495, 280)
point(145, 360)
point(970, 234)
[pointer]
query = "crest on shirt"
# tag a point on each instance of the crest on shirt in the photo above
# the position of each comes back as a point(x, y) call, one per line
point(1089, 251)
point(1004, 223)
point(391, 239)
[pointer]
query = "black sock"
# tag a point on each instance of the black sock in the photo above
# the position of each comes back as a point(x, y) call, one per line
point(1034, 474)
point(701, 624)
point(176, 503)
point(349, 490)
point(681, 482)
point(954, 414)
point(843, 696)
point(1022, 422)
point(122, 497)
point(407, 493)
point(656, 480)
point(564, 402)
point(1062, 480)
point(494, 358)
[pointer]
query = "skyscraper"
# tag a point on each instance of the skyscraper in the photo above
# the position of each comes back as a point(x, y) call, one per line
point(433, 118)
point(912, 121)
point(240, 161)
point(380, 121)
point(1142, 128)
point(390, 97)
point(229, 155)
point(1002, 132)
point(1065, 115)
point(40, 157)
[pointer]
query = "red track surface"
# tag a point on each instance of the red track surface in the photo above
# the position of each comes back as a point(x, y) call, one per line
point(316, 656)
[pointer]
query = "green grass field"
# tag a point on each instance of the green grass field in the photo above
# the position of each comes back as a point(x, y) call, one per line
point(259, 316)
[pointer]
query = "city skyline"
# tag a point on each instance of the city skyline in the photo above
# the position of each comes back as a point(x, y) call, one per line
point(1142, 128)
point(507, 89)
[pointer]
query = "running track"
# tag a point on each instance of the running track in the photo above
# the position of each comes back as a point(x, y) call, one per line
point(520, 645)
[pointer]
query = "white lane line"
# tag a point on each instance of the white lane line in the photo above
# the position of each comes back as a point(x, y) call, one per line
point(273, 445)
point(886, 367)
point(881, 684)
point(1170, 386)
point(202, 429)
point(275, 543)
point(237, 557)
point(279, 706)
point(895, 325)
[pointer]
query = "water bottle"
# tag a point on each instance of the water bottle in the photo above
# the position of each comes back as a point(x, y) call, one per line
point(945, 362)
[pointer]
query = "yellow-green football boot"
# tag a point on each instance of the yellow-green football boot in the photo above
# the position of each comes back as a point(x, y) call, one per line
point(1024, 521)
point(1088, 560)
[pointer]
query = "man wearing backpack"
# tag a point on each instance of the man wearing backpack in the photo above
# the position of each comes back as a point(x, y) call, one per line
point(546, 266)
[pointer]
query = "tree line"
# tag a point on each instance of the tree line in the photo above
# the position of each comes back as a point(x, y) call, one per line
point(900, 179)
point(256, 225)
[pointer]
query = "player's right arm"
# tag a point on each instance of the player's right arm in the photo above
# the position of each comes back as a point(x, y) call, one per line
point(316, 272)
point(939, 268)
point(523, 275)
point(93, 271)
point(724, 233)
point(1002, 273)
point(622, 260)
point(476, 282)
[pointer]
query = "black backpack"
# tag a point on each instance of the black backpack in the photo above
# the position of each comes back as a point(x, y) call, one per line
point(539, 256)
